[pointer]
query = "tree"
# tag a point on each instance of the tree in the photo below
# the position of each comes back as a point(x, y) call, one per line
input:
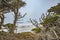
point(4, 7)
point(34, 22)
point(55, 9)
point(9, 27)
point(12, 5)
point(2, 19)
point(16, 5)
point(51, 22)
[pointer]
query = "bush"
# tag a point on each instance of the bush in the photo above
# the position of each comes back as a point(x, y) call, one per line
point(36, 30)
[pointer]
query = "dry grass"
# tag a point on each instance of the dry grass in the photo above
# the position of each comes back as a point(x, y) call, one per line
point(19, 36)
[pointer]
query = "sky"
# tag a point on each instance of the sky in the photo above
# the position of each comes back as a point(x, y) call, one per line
point(34, 10)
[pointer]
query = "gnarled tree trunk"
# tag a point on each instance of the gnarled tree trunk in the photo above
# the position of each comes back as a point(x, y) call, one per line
point(2, 20)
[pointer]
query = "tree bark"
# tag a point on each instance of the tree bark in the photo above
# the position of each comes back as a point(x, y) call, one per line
point(15, 18)
point(2, 20)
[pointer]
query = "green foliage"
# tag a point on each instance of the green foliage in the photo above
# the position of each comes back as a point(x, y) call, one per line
point(13, 5)
point(55, 9)
point(10, 27)
point(54, 17)
point(37, 30)
point(51, 19)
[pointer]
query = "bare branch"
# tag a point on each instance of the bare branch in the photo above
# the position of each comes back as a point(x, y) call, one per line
point(34, 22)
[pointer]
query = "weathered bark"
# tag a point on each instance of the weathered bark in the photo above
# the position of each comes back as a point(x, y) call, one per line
point(15, 21)
point(2, 20)
point(15, 17)
point(34, 22)
point(16, 13)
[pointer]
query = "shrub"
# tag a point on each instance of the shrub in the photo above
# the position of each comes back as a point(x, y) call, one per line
point(36, 30)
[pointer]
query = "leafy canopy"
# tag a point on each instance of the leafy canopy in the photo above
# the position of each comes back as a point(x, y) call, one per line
point(55, 9)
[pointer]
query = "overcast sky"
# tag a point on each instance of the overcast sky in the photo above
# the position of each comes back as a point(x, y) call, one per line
point(34, 9)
